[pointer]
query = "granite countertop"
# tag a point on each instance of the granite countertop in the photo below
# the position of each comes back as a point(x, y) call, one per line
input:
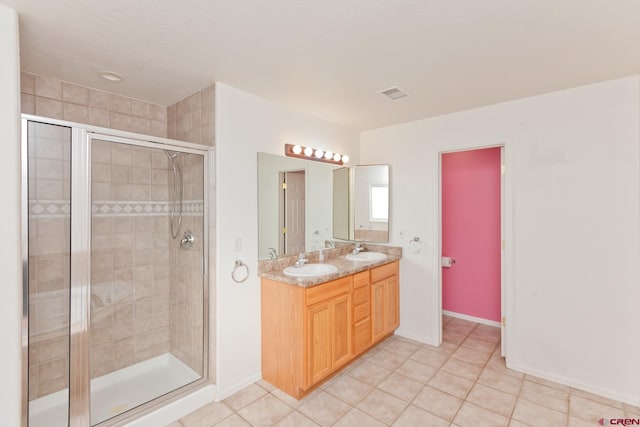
point(345, 268)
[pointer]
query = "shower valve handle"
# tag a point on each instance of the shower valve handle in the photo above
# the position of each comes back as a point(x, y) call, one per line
point(187, 240)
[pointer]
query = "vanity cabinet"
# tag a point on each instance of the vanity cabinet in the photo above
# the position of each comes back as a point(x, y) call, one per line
point(310, 333)
point(385, 309)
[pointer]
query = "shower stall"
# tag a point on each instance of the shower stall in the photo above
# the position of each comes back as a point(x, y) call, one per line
point(115, 292)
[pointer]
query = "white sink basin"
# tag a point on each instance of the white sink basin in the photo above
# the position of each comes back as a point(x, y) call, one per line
point(366, 256)
point(310, 270)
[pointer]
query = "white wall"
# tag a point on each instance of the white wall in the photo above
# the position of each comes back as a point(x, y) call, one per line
point(320, 203)
point(573, 245)
point(246, 125)
point(10, 287)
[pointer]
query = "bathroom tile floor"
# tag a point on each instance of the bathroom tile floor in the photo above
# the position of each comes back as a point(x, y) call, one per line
point(401, 382)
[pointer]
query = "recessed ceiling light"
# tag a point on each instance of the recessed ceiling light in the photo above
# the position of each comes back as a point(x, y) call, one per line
point(393, 93)
point(111, 76)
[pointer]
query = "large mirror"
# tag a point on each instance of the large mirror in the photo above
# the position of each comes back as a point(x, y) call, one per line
point(361, 203)
point(295, 205)
point(303, 203)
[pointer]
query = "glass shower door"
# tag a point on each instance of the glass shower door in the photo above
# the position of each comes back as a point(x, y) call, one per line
point(147, 284)
point(49, 277)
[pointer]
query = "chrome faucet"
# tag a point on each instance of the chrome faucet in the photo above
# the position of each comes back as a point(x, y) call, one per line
point(272, 253)
point(301, 260)
point(357, 249)
point(331, 243)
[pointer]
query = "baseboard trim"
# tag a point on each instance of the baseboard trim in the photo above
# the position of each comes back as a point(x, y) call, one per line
point(223, 394)
point(413, 337)
point(471, 318)
point(634, 401)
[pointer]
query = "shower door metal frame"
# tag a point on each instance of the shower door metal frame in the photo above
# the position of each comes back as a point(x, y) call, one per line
point(24, 255)
point(80, 293)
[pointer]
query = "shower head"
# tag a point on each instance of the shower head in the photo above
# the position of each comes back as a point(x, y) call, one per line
point(171, 155)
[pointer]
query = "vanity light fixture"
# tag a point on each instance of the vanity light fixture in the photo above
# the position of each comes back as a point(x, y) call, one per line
point(316, 154)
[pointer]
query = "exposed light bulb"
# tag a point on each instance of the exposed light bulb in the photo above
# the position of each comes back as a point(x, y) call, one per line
point(345, 159)
point(319, 153)
point(337, 157)
point(296, 149)
point(308, 151)
point(328, 155)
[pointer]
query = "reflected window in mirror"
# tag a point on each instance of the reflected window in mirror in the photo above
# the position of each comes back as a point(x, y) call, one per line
point(365, 215)
point(379, 203)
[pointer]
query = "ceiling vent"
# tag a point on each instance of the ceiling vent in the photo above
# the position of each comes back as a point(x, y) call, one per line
point(393, 93)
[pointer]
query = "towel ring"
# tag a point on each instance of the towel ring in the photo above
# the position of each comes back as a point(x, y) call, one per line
point(240, 265)
point(415, 245)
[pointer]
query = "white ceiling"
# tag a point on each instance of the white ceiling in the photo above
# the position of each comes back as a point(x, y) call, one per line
point(329, 58)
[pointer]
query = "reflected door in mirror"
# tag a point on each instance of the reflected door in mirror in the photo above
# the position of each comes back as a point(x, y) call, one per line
point(293, 229)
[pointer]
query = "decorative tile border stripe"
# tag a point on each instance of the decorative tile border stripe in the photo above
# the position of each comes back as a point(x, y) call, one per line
point(111, 208)
point(49, 209)
point(114, 208)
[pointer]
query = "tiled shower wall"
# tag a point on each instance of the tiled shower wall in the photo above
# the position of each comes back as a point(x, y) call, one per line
point(186, 270)
point(130, 283)
point(47, 97)
point(192, 119)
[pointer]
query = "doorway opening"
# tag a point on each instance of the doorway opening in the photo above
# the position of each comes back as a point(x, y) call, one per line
point(292, 212)
point(472, 245)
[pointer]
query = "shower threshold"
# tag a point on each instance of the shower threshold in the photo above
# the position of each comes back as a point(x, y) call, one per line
point(116, 392)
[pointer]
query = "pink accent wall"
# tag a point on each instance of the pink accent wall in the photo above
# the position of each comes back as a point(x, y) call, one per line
point(471, 232)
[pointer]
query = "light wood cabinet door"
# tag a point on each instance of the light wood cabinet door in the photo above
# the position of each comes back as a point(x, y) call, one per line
point(385, 300)
point(319, 336)
point(377, 311)
point(329, 337)
point(341, 329)
point(391, 304)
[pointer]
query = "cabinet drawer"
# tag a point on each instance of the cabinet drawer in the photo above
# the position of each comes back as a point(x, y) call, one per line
point(361, 312)
point(328, 290)
point(384, 271)
point(361, 336)
point(360, 279)
point(361, 295)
